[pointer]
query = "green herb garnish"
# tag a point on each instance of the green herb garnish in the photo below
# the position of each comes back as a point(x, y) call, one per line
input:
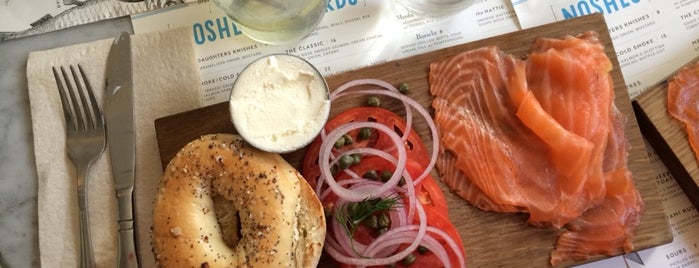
point(351, 214)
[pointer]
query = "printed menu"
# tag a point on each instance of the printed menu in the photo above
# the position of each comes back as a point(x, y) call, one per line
point(352, 34)
point(651, 40)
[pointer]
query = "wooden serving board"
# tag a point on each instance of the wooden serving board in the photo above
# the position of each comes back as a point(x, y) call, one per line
point(490, 239)
point(668, 137)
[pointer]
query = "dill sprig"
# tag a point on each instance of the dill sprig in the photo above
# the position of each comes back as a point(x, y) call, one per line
point(351, 214)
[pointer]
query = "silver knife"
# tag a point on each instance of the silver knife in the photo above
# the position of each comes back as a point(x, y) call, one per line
point(121, 139)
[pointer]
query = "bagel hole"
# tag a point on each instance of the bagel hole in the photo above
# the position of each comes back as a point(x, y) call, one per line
point(228, 218)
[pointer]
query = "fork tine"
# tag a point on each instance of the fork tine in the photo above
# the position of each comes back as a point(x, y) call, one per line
point(74, 100)
point(67, 110)
point(97, 115)
point(84, 109)
point(81, 86)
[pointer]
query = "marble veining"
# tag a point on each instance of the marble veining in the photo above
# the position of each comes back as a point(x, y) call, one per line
point(18, 217)
point(19, 246)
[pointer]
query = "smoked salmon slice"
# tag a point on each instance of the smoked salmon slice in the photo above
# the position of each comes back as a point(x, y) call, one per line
point(607, 228)
point(683, 102)
point(540, 136)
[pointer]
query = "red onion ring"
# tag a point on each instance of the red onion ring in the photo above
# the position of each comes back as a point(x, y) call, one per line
point(376, 82)
point(356, 189)
point(429, 242)
point(409, 187)
point(398, 217)
point(350, 195)
point(399, 231)
point(417, 106)
point(422, 229)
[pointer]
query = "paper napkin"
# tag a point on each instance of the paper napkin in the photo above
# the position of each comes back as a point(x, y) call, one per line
point(166, 81)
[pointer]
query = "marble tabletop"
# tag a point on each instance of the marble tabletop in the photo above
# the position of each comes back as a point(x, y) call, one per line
point(94, 20)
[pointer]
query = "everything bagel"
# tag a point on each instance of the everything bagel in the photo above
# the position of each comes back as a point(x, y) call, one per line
point(223, 203)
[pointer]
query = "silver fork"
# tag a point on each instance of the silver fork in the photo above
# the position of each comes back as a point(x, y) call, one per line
point(85, 141)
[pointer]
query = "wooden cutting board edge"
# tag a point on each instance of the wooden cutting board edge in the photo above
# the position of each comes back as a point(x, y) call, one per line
point(668, 137)
point(533, 243)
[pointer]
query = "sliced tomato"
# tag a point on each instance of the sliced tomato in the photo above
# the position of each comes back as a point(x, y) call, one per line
point(310, 168)
point(429, 259)
point(429, 194)
point(440, 221)
point(427, 191)
point(367, 164)
point(414, 145)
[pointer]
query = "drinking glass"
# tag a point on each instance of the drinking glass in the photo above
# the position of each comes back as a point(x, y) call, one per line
point(435, 8)
point(275, 22)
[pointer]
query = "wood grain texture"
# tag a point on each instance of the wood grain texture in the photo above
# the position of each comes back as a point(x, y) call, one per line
point(490, 239)
point(668, 137)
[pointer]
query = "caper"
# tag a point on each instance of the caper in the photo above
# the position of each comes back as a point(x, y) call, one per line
point(352, 208)
point(333, 170)
point(383, 220)
point(422, 249)
point(339, 142)
point(404, 88)
point(371, 174)
point(348, 139)
point(346, 161)
point(357, 158)
point(401, 182)
point(374, 101)
point(386, 175)
point(364, 133)
point(372, 221)
point(408, 260)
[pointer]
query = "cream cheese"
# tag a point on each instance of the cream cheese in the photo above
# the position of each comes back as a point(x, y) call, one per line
point(279, 103)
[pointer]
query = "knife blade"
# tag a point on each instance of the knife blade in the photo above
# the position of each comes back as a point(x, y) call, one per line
point(121, 139)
